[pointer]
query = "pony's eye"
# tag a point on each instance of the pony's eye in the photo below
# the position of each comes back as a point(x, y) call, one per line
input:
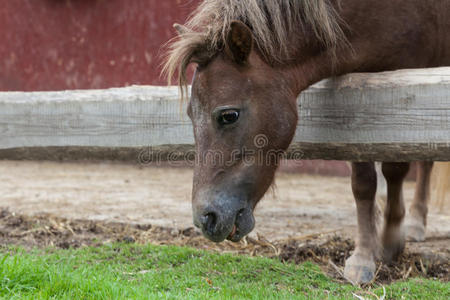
point(228, 117)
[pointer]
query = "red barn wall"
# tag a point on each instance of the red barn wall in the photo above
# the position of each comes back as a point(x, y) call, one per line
point(84, 44)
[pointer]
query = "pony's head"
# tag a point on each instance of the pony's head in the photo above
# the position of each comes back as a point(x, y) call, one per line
point(243, 115)
point(242, 106)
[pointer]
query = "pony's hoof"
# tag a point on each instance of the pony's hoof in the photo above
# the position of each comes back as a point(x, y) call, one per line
point(392, 251)
point(359, 269)
point(415, 232)
point(393, 244)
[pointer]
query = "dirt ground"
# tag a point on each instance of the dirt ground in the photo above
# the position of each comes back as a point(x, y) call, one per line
point(305, 217)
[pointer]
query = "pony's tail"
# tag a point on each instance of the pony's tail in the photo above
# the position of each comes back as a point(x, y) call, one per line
point(441, 184)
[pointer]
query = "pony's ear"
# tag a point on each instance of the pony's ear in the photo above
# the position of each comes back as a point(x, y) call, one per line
point(180, 28)
point(239, 42)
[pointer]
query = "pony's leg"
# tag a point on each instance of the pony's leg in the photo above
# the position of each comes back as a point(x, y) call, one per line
point(393, 236)
point(360, 267)
point(417, 219)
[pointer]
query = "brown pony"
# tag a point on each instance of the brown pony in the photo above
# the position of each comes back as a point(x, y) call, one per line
point(253, 59)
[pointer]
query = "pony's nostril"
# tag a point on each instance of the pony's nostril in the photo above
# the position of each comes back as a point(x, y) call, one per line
point(209, 222)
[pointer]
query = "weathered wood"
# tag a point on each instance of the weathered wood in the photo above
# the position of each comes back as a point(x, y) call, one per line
point(394, 107)
point(135, 116)
point(395, 116)
point(141, 155)
point(371, 152)
point(178, 153)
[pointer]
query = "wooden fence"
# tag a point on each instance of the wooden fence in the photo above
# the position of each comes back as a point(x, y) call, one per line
point(392, 116)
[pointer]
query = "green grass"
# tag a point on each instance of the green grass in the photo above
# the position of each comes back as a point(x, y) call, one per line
point(157, 272)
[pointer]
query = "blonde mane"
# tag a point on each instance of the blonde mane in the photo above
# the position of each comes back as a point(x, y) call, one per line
point(272, 23)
